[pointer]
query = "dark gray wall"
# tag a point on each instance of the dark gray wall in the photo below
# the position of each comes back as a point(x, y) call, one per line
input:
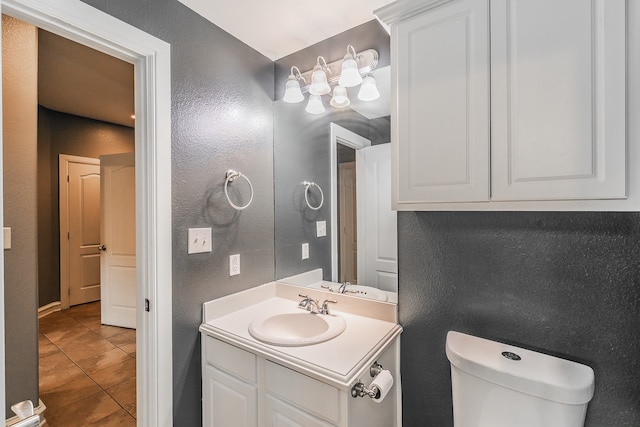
point(60, 133)
point(302, 150)
point(222, 117)
point(566, 284)
point(19, 97)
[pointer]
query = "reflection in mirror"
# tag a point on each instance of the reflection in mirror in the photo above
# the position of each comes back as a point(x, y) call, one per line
point(347, 154)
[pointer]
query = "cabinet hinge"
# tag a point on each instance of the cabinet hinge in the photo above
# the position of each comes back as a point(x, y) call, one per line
point(146, 304)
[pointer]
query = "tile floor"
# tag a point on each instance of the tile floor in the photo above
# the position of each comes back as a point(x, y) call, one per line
point(87, 370)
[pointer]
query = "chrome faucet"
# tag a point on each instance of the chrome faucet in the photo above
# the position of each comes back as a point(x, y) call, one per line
point(309, 304)
point(313, 306)
point(343, 287)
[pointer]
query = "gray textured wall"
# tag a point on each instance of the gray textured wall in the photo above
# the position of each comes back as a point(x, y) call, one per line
point(566, 284)
point(60, 133)
point(302, 149)
point(19, 97)
point(222, 117)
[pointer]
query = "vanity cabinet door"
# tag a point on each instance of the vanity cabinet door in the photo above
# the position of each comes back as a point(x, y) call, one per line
point(229, 401)
point(441, 80)
point(558, 103)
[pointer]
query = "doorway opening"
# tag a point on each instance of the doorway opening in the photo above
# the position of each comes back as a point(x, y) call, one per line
point(151, 59)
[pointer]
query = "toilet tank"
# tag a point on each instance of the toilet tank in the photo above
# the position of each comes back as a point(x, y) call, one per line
point(498, 385)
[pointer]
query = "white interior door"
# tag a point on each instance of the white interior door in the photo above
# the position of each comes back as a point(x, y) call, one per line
point(79, 230)
point(118, 259)
point(378, 242)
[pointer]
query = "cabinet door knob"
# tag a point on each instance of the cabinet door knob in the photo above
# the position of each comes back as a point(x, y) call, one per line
point(102, 248)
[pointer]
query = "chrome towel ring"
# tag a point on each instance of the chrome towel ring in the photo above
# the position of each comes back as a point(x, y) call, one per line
point(231, 176)
point(308, 185)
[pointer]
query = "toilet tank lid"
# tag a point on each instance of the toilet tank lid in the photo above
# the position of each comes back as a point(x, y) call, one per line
point(527, 371)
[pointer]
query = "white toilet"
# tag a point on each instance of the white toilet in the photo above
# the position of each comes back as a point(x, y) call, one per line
point(498, 385)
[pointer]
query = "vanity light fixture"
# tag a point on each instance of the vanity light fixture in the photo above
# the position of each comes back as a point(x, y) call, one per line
point(368, 89)
point(292, 92)
point(315, 105)
point(350, 76)
point(340, 74)
point(319, 84)
point(340, 98)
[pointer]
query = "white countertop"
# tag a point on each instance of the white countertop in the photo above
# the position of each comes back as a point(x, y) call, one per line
point(371, 326)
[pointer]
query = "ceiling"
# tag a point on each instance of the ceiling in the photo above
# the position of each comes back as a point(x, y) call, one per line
point(278, 28)
point(78, 80)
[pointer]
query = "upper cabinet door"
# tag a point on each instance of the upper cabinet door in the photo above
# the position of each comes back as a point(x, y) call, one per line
point(558, 99)
point(441, 83)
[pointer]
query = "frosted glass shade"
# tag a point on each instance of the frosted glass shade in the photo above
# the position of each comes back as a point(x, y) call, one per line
point(315, 105)
point(349, 76)
point(292, 92)
point(319, 85)
point(340, 98)
point(368, 90)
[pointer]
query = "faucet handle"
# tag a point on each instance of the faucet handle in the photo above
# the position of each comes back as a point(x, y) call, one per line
point(325, 306)
point(304, 302)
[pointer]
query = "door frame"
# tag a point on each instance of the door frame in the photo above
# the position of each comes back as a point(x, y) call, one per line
point(340, 135)
point(152, 67)
point(63, 170)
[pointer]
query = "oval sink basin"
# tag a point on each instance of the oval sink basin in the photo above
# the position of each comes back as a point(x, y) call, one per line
point(296, 329)
point(363, 291)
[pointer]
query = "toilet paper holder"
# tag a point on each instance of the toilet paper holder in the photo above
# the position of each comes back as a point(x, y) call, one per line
point(361, 390)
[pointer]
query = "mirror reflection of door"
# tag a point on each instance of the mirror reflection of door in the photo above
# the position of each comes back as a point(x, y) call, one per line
point(348, 217)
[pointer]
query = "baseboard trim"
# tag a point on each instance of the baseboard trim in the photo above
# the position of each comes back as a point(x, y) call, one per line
point(48, 309)
point(38, 410)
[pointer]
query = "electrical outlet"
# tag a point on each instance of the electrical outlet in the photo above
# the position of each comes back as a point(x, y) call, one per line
point(305, 251)
point(199, 240)
point(234, 265)
point(321, 228)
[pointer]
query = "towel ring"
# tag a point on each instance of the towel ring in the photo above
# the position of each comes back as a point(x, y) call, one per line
point(308, 185)
point(231, 176)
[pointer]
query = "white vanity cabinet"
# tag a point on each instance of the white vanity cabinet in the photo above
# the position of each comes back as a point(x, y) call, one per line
point(509, 104)
point(243, 389)
point(248, 382)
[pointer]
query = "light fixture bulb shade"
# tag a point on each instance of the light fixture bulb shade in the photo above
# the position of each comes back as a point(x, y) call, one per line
point(368, 90)
point(340, 98)
point(315, 105)
point(292, 92)
point(349, 76)
point(319, 85)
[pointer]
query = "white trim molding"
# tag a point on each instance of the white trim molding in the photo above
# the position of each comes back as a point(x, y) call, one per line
point(48, 309)
point(150, 56)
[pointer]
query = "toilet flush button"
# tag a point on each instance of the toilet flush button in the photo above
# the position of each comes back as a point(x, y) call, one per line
point(511, 356)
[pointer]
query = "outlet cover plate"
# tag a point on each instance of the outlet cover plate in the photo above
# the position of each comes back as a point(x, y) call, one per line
point(234, 265)
point(305, 251)
point(321, 228)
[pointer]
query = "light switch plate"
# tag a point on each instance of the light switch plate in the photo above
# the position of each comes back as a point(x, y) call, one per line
point(199, 240)
point(305, 251)
point(6, 237)
point(234, 265)
point(321, 228)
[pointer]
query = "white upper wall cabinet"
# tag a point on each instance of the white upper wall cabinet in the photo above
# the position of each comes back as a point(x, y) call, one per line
point(442, 81)
point(558, 99)
point(513, 104)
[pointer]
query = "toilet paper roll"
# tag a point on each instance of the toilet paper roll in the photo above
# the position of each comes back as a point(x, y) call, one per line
point(383, 382)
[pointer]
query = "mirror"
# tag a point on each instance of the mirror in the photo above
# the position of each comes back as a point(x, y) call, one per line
point(346, 153)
